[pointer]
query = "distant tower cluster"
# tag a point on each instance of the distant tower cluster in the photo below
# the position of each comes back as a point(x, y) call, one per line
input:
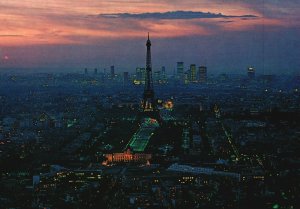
point(98, 77)
point(192, 75)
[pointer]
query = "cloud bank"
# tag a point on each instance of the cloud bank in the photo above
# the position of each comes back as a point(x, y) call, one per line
point(174, 15)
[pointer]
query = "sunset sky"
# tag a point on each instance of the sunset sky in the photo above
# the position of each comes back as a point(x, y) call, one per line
point(227, 36)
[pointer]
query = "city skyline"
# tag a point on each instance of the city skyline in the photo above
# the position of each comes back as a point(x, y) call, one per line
point(150, 139)
point(224, 36)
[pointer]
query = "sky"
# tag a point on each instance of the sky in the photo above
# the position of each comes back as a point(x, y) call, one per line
point(225, 35)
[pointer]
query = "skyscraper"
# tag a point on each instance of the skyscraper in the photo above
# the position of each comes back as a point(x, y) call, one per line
point(180, 71)
point(125, 78)
point(202, 74)
point(95, 71)
point(186, 77)
point(112, 72)
point(140, 75)
point(193, 73)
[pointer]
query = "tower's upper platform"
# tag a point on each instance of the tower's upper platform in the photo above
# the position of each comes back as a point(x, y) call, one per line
point(148, 41)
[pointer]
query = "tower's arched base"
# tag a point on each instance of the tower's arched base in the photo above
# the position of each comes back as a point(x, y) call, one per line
point(149, 114)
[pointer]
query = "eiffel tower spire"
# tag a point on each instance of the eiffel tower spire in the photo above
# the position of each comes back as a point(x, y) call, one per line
point(148, 97)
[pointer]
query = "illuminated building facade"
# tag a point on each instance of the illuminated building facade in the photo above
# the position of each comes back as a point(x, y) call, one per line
point(186, 78)
point(193, 73)
point(74, 178)
point(140, 76)
point(168, 105)
point(127, 157)
point(202, 170)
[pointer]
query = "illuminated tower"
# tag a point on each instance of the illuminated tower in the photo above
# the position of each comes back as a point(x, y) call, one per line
point(149, 106)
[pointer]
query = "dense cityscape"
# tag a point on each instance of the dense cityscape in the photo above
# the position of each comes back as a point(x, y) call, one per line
point(149, 139)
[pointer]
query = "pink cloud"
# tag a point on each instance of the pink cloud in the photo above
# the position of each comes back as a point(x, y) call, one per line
point(34, 22)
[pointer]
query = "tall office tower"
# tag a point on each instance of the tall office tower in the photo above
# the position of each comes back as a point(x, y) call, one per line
point(149, 103)
point(95, 71)
point(251, 72)
point(144, 74)
point(186, 79)
point(125, 77)
point(86, 71)
point(140, 75)
point(180, 71)
point(193, 73)
point(202, 74)
point(112, 72)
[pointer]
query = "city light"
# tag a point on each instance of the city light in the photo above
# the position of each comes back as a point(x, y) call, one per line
point(96, 113)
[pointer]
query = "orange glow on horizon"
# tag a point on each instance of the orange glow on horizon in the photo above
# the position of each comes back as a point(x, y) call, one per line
point(31, 22)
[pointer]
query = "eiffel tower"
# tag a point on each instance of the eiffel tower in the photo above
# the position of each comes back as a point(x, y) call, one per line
point(149, 103)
